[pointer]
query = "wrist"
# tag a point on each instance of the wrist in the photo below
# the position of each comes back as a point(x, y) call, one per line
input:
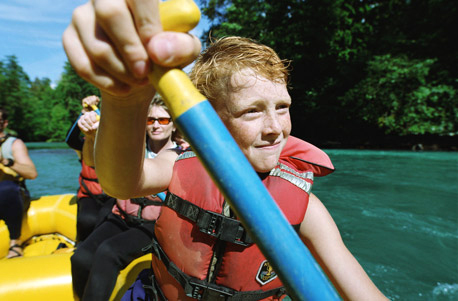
point(135, 97)
point(89, 136)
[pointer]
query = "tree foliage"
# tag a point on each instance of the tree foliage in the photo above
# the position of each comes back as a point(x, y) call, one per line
point(38, 112)
point(359, 66)
point(398, 96)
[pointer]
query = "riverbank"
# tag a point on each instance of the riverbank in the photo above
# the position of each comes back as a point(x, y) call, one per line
point(411, 142)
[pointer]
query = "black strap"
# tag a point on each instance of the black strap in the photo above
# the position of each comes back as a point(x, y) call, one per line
point(18, 178)
point(3, 139)
point(100, 198)
point(156, 290)
point(203, 290)
point(89, 179)
point(134, 220)
point(212, 223)
point(146, 202)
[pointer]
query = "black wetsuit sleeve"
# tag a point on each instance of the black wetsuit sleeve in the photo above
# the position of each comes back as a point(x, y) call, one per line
point(74, 138)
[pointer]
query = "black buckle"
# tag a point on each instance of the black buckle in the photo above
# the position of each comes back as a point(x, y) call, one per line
point(223, 227)
point(198, 290)
point(209, 222)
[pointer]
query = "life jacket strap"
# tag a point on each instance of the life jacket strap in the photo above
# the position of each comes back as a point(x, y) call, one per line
point(10, 173)
point(3, 139)
point(89, 179)
point(209, 222)
point(146, 202)
point(99, 198)
point(203, 290)
point(134, 220)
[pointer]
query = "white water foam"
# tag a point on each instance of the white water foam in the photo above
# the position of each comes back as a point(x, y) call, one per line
point(445, 291)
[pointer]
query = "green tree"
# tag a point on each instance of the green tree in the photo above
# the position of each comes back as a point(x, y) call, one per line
point(41, 105)
point(326, 41)
point(334, 46)
point(72, 89)
point(67, 101)
point(398, 96)
point(60, 123)
point(14, 93)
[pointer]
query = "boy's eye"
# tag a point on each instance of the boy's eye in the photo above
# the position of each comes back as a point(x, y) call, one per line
point(283, 106)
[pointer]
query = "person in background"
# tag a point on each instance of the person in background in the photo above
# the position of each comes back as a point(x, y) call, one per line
point(93, 203)
point(128, 230)
point(15, 167)
point(246, 82)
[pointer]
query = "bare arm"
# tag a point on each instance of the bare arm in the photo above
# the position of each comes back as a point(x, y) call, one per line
point(23, 165)
point(88, 125)
point(119, 152)
point(116, 58)
point(322, 237)
point(121, 140)
point(88, 151)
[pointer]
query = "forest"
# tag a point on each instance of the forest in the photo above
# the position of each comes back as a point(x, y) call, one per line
point(364, 73)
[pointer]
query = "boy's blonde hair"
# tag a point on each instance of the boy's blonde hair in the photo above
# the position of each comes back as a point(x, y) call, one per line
point(213, 69)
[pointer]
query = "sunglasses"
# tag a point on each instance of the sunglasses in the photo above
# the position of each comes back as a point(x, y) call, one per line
point(160, 120)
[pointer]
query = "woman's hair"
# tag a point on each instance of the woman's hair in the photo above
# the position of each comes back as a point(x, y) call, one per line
point(213, 69)
point(158, 101)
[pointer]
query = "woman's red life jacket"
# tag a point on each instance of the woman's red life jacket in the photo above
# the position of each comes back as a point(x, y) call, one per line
point(89, 184)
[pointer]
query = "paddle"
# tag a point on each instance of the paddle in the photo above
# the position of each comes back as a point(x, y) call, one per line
point(234, 175)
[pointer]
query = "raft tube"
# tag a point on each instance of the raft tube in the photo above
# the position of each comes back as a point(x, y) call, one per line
point(44, 272)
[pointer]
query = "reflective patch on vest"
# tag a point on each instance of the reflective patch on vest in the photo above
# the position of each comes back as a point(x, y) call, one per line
point(265, 273)
point(294, 177)
point(186, 155)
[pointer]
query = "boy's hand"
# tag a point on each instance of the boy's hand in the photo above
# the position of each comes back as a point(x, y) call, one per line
point(110, 43)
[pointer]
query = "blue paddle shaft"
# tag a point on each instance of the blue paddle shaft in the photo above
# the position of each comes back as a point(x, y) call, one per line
point(253, 204)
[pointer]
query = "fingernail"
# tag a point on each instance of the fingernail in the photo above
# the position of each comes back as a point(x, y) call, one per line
point(140, 69)
point(164, 51)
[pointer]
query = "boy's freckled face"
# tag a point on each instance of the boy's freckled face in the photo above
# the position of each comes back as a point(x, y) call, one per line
point(257, 115)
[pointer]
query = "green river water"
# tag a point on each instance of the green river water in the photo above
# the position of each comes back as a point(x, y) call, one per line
point(397, 212)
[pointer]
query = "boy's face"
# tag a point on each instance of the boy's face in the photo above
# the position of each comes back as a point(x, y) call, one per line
point(257, 115)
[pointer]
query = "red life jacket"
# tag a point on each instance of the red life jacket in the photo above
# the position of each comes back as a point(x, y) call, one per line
point(89, 184)
point(192, 231)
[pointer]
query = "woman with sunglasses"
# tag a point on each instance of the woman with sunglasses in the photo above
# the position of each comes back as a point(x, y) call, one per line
point(128, 229)
point(161, 132)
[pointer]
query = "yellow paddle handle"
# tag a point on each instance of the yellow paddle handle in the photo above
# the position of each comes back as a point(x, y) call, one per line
point(173, 84)
point(94, 108)
point(179, 15)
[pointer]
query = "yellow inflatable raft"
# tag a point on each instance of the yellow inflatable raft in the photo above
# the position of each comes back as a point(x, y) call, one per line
point(44, 272)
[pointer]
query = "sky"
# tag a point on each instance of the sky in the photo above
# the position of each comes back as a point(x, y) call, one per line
point(32, 31)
